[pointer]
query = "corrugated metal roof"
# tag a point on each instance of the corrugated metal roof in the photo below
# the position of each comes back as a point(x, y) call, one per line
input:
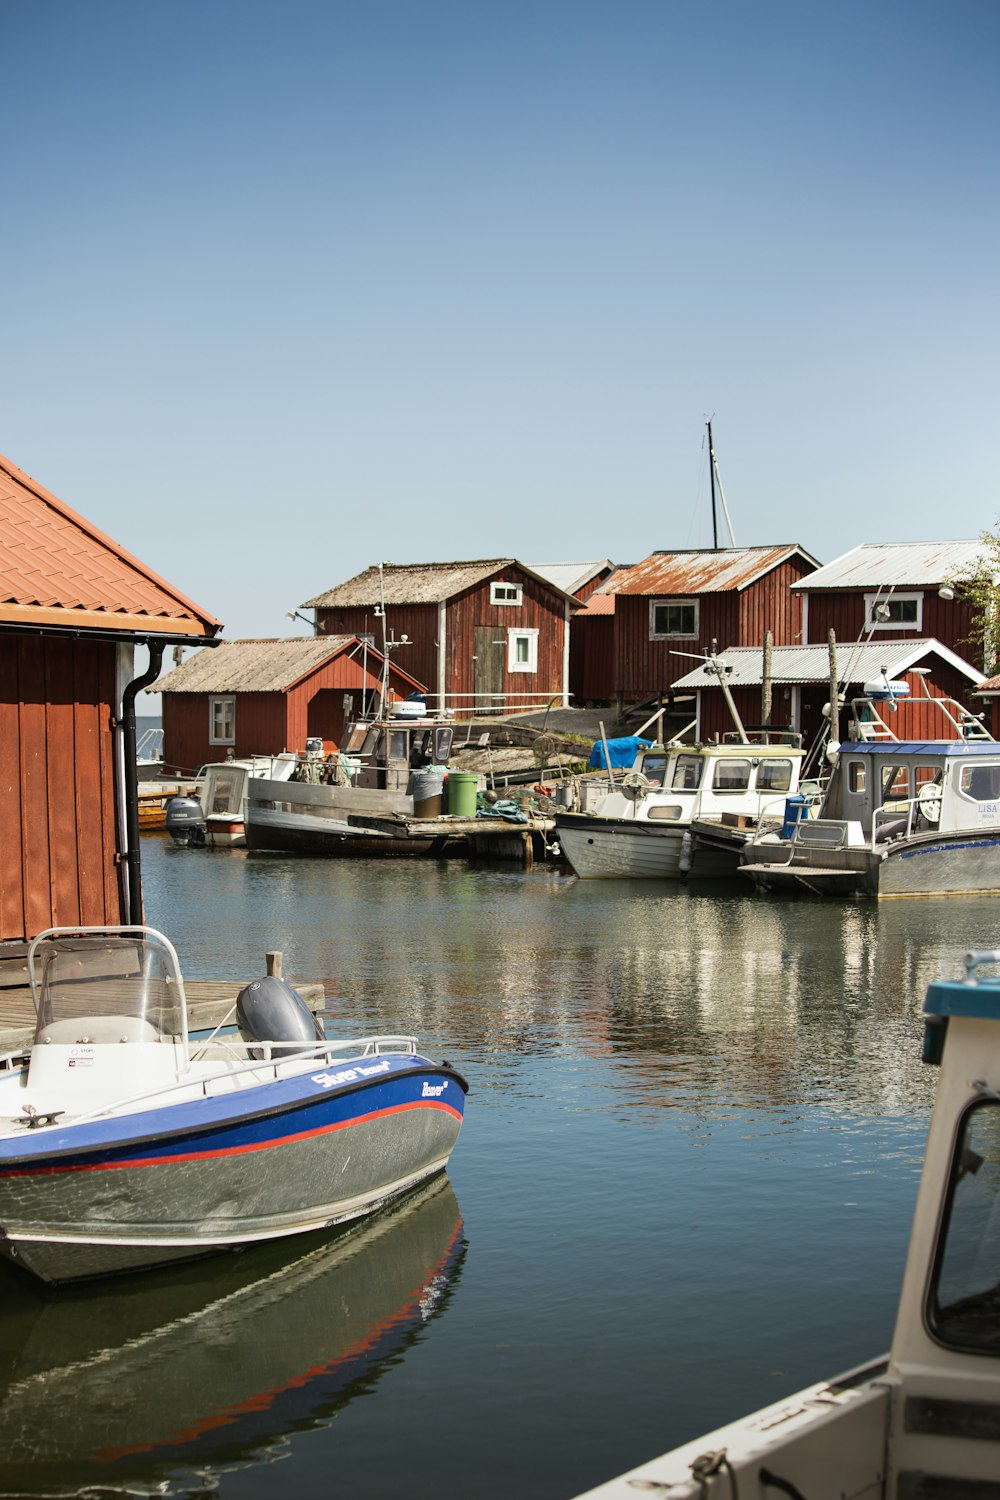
point(57, 569)
point(415, 583)
point(570, 576)
point(707, 571)
point(253, 666)
point(806, 664)
point(896, 565)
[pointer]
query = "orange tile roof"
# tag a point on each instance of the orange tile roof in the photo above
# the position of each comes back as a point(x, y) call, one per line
point(58, 570)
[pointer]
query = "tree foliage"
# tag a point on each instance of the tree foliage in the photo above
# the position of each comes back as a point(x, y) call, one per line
point(981, 588)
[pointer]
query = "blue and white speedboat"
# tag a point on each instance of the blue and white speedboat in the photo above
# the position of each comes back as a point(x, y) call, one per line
point(125, 1142)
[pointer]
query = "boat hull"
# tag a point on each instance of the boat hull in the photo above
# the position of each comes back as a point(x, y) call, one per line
point(611, 848)
point(303, 832)
point(929, 864)
point(289, 1156)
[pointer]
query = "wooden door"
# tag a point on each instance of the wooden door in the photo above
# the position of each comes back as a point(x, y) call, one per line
point(490, 661)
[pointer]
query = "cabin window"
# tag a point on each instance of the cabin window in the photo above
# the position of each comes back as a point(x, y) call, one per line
point(398, 745)
point(856, 776)
point(774, 776)
point(371, 742)
point(895, 612)
point(731, 776)
point(687, 774)
point(222, 721)
point(895, 784)
point(672, 617)
point(964, 1306)
point(654, 768)
point(442, 745)
point(356, 735)
point(522, 651)
point(505, 593)
point(671, 813)
point(981, 783)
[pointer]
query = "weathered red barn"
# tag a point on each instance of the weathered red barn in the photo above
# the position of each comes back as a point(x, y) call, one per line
point(675, 604)
point(486, 636)
point(800, 687)
point(895, 591)
point(247, 698)
point(73, 607)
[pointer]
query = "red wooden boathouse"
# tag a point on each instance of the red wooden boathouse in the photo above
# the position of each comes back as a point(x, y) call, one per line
point(73, 607)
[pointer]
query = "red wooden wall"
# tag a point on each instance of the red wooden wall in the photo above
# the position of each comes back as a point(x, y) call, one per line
point(57, 796)
point(540, 609)
point(843, 611)
point(644, 668)
point(267, 723)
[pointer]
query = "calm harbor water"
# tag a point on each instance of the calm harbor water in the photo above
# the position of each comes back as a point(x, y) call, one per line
point(683, 1189)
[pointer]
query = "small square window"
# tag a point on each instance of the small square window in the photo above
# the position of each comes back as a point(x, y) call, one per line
point(894, 611)
point(669, 618)
point(522, 651)
point(222, 721)
point(505, 593)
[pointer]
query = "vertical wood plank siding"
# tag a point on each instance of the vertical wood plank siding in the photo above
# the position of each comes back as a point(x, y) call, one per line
point(57, 831)
point(644, 668)
point(267, 723)
point(843, 611)
point(540, 609)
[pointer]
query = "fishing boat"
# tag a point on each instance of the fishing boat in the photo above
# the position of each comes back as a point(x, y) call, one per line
point(642, 828)
point(899, 818)
point(923, 1422)
point(388, 772)
point(212, 813)
point(126, 1143)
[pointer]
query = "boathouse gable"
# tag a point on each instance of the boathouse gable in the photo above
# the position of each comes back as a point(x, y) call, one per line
point(486, 636)
point(259, 697)
point(73, 607)
point(894, 591)
point(675, 605)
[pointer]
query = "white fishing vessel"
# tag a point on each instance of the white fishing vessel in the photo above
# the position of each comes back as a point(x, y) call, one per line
point(923, 1422)
point(642, 829)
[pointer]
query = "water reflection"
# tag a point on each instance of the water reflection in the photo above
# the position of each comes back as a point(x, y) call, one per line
point(213, 1365)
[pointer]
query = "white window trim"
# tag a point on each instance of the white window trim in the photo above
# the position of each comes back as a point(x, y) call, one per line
point(225, 698)
point(508, 603)
point(873, 600)
point(655, 604)
point(513, 636)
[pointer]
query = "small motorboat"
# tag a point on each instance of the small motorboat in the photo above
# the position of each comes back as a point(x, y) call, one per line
point(125, 1142)
point(923, 1422)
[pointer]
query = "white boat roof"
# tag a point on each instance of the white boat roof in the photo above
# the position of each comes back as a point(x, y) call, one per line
point(896, 565)
point(858, 662)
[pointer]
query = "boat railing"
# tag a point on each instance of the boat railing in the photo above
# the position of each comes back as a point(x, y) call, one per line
point(265, 1067)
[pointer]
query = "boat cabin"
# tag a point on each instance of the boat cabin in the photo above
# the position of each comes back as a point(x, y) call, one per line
point(381, 754)
point(884, 789)
point(674, 783)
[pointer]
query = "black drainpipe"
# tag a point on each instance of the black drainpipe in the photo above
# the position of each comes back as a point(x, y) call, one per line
point(132, 781)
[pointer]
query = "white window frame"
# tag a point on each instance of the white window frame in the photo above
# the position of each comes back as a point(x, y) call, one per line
point(512, 598)
point(673, 635)
point(227, 706)
point(515, 635)
point(872, 601)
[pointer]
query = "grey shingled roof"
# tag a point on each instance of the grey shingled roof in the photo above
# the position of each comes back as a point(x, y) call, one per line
point(417, 583)
point(252, 666)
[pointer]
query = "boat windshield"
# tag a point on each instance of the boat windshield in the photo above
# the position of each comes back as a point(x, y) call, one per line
point(964, 1305)
point(687, 773)
point(107, 977)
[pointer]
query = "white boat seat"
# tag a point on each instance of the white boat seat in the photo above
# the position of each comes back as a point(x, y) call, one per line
point(100, 1030)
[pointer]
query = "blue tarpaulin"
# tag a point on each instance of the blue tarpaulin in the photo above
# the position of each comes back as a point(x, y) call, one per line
point(622, 752)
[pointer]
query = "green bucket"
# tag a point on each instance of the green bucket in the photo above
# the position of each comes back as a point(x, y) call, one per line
point(462, 787)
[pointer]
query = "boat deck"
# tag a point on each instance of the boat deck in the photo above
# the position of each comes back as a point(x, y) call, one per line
point(209, 1002)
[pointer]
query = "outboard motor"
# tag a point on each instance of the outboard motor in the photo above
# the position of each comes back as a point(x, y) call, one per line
point(271, 1010)
point(186, 822)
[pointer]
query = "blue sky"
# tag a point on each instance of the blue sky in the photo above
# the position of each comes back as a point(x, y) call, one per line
point(291, 287)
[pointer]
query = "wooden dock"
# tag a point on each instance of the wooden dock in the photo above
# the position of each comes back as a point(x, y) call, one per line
point(479, 838)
